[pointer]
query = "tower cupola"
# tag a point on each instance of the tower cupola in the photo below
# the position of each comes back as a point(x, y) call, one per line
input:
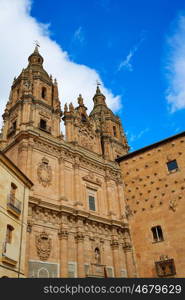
point(35, 58)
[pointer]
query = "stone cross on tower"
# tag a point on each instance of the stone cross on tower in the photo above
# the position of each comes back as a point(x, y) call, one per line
point(36, 43)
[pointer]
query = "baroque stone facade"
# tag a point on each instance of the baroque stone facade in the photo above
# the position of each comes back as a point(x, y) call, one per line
point(95, 210)
point(76, 216)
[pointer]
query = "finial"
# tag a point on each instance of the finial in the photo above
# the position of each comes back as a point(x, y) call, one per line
point(55, 81)
point(65, 108)
point(80, 100)
point(97, 88)
point(36, 46)
point(98, 83)
point(71, 107)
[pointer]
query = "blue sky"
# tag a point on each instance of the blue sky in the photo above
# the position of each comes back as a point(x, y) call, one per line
point(134, 47)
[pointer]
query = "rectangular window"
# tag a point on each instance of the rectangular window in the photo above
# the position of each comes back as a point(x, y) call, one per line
point(43, 124)
point(123, 273)
point(114, 131)
point(110, 272)
point(157, 234)
point(72, 269)
point(172, 165)
point(92, 203)
point(86, 269)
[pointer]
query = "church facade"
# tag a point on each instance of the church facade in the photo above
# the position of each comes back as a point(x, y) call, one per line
point(76, 223)
point(94, 210)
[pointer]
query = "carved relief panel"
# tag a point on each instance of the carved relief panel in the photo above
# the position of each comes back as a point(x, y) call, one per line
point(44, 172)
point(43, 245)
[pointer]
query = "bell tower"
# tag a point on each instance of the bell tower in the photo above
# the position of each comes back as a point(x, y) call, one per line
point(33, 102)
point(113, 139)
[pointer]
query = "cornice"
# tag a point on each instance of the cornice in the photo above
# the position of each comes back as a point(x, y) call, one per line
point(11, 166)
point(79, 214)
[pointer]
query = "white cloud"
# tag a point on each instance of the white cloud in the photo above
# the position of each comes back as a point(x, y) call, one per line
point(175, 93)
point(126, 63)
point(18, 31)
point(134, 137)
point(79, 35)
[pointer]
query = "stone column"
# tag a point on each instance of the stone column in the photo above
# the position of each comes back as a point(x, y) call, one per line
point(80, 254)
point(27, 254)
point(111, 198)
point(129, 257)
point(63, 237)
point(116, 259)
point(61, 171)
point(121, 199)
point(108, 193)
point(22, 156)
point(29, 158)
point(77, 187)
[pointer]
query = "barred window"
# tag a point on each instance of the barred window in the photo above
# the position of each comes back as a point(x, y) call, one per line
point(172, 165)
point(157, 234)
point(92, 203)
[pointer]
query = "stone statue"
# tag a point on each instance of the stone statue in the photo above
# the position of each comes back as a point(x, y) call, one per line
point(97, 256)
point(80, 100)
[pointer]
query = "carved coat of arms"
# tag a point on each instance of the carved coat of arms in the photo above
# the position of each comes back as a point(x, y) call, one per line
point(44, 173)
point(43, 245)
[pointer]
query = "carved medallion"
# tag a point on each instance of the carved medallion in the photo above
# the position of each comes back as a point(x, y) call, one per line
point(43, 245)
point(44, 173)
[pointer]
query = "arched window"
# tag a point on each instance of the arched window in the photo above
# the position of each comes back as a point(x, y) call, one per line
point(43, 273)
point(43, 94)
point(97, 255)
point(114, 131)
point(83, 118)
point(157, 233)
